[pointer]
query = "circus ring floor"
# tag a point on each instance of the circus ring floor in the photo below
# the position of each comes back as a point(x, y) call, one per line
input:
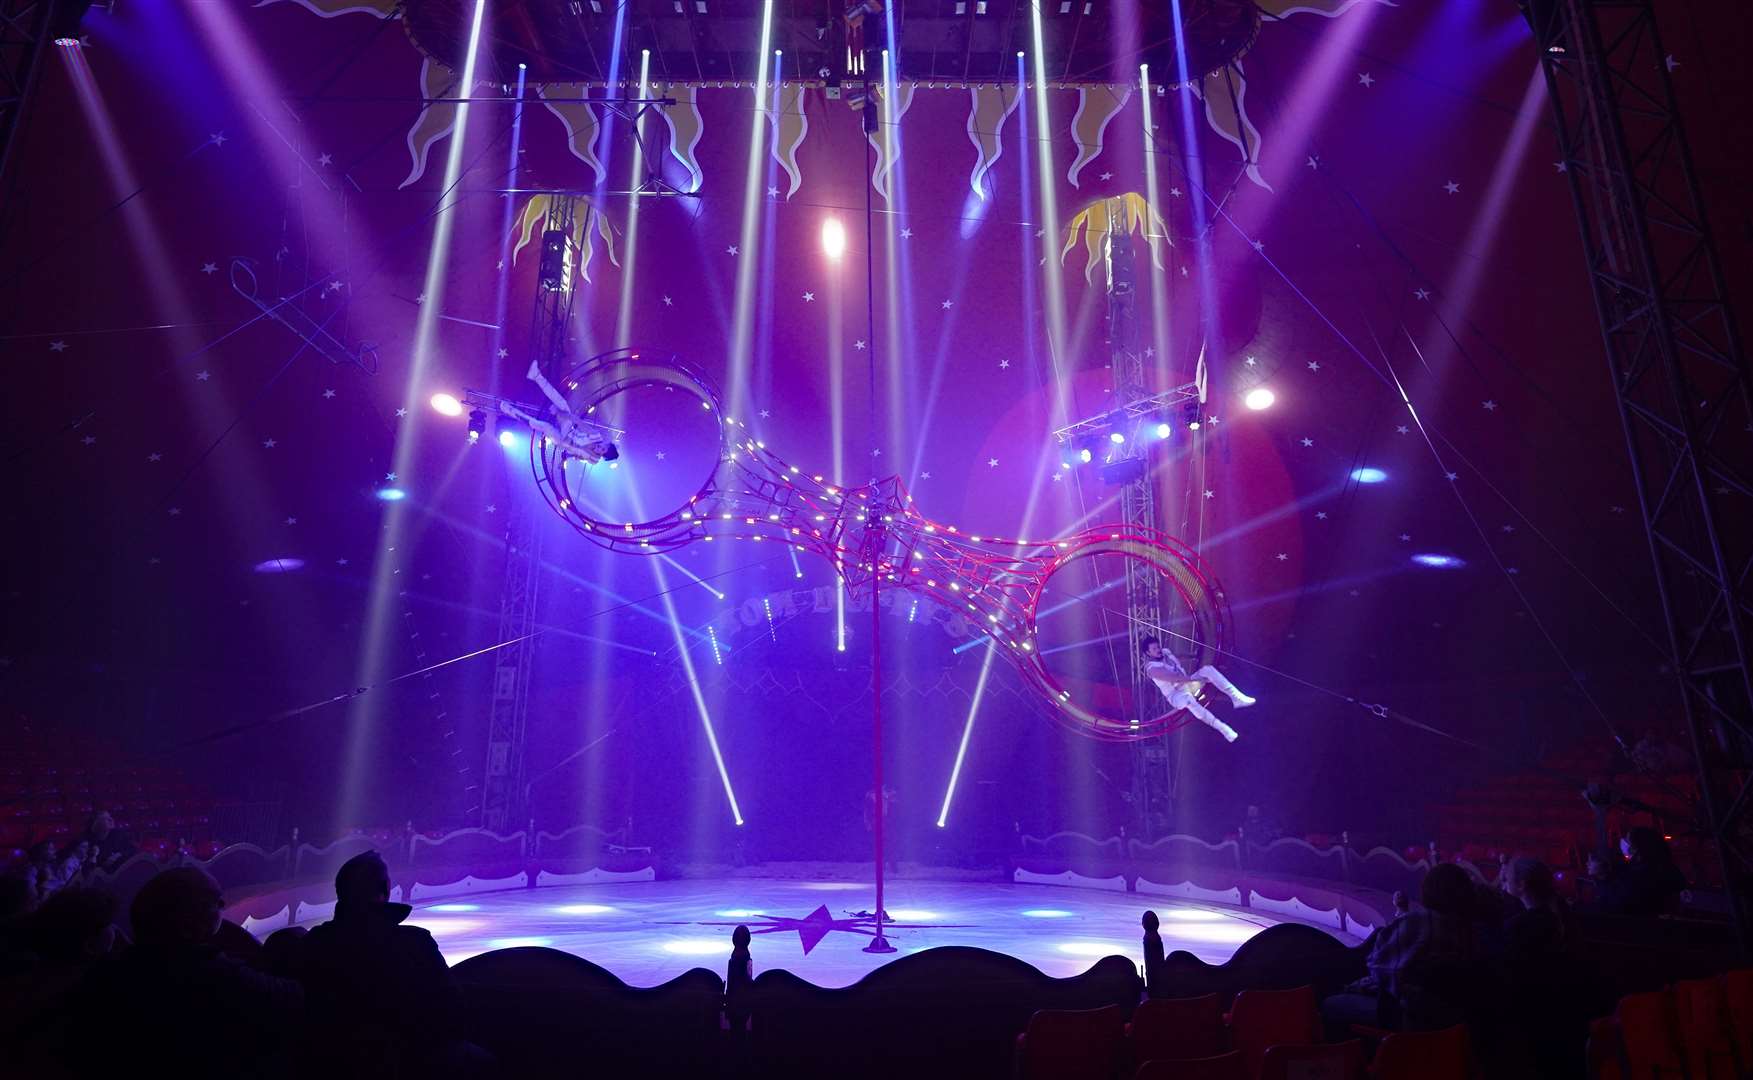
point(647, 932)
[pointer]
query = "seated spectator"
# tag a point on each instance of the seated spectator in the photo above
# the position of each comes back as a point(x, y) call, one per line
point(110, 846)
point(1153, 953)
point(65, 938)
point(1646, 882)
point(1423, 966)
point(174, 1005)
point(1551, 991)
point(42, 871)
point(737, 979)
point(283, 952)
point(379, 989)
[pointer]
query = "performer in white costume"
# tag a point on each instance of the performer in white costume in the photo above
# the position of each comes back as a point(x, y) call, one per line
point(1183, 689)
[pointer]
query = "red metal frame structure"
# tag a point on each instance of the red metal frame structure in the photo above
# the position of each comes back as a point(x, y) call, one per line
point(873, 534)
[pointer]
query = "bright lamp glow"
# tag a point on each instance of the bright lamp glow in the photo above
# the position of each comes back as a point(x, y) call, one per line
point(1084, 455)
point(1116, 437)
point(391, 494)
point(279, 566)
point(447, 404)
point(507, 439)
point(1259, 398)
point(1368, 475)
point(1163, 430)
point(833, 238)
point(1440, 562)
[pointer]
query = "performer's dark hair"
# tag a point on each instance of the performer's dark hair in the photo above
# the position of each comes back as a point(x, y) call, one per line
point(1145, 643)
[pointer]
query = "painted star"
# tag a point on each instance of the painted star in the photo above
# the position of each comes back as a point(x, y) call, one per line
point(1365, 79)
point(154, 561)
point(1210, 494)
point(1251, 361)
point(1507, 528)
point(947, 304)
point(1452, 188)
point(1451, 476)
point(1308, 441)
point(57, 346)
point(1422, 294)
point(925, 476)
point(334, 286)
point(1320, 515)
point(773, 193)
point(1671, 62)
point(503, 352)
point(325, 160)
point(809, 297)
point(661, 455)
point(876, 451)
point(731, 250)
point(1002, 364)
point(421, 299)
point(1149, 351)
point(291, 521)
point(1314, 162)
point(1617, 509)
point(667, 302)
point(1175, 191)
point(1561, 166)
point(400, 413)
point(328, 394)
point(269, 444)
point(1213, 420)
point(1258, 245)
point(1314, 365)
point(492, 509)
point(217, 138)
point(340, 562)
point(992, 463)
point(765, 413)
point(1403, 429)
point(907, 233)
point(175, 511)
point(1281, 556)
point(209, 268)
point(389, 477)
point(89, 440)
point(1405, 536)
point(155, 456)
point(1488, 406)
point(1107, 176)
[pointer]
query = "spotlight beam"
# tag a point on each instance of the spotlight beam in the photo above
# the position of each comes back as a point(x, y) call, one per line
point(943, 813)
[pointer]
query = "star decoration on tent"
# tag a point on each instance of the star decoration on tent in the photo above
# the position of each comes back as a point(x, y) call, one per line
point(400, 413)
point(89, 440)
point(1488, 405)
point(730, 249)
point(859, 345)
point(1364, 78)
point(907, 234)
point(992, 463)
point(209, 268)
point(1308, 441)
point(925, 476)
point(947, 304)
point(765, 413)
point(155, 456)
point(217, 138)
point(667, 302)
point(291, 521)
point(57, 346)
point(1210, 494)
point(876, 451)
point(269, 444)
point(1002, 364)
point(661, 455)
point(203, 376)
point(818, 924)
point(503, 352)
point(492, 509)
point(1507, 528)
point(390, 477)
point(1422, 294)
point(1320, 515)
point(340, 562)
point(1403, 429)
point(1404, 537)
point(327, 394)
point(1281, 556)
point(773, 193)
point(325, 160)
point(1107, 176)
point(1314, 365)
point(1561, 166)
point(1452, 188)
point(1314, 162)
point(809, 297)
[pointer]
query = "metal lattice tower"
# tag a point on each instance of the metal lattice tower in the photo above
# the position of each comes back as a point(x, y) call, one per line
point(24, 43)
point(1152, 772)
point(502, 797)
point(1679, 374)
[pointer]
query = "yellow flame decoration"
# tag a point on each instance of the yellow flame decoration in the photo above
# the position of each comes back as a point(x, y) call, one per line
point(588, 223)
point(1122, 213)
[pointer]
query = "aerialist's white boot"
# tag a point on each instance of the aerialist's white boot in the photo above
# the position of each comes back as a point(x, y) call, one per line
point(1216, 678)
point(1204, 716)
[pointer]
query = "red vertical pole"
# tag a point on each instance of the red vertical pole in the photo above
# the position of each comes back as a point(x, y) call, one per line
point(879, 944)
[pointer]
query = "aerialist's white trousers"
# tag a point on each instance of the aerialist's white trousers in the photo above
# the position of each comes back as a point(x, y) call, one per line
point(1183, 694)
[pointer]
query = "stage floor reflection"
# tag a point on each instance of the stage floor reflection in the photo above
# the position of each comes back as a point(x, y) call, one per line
point(649, 932)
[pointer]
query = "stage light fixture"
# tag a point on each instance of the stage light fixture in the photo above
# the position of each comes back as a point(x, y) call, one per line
point(1116, 437)
point(1259, 398)
point(1368, 475)
point(833, 238)
point(477, 425)
point(447, 404)
point(1440, 562)
point(391, 494)
point(1163, 430)
point(507, 439)
point(1084, 455)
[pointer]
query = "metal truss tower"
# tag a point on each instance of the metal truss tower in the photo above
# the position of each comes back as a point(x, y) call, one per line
point(504, 789)
point(25, 28)
point(1152, 768)
point(1679, 374)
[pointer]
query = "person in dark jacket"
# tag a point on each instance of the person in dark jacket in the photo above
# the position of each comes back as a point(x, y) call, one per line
point(1647, 882)
point(173, 1004)
point(378, 989)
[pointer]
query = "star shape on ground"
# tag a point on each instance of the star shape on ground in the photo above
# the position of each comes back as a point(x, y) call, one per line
point(1364, 78)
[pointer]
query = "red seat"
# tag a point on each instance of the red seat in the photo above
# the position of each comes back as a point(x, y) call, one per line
point(1222, 1067)
point(1263, 1018)
point(1164, 1029)
point(1702, 1015)
point(1335, 1061)
point(1070, 1043)
point(1649, 1033)
point(1424, 1055)
point(1738, 1011)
